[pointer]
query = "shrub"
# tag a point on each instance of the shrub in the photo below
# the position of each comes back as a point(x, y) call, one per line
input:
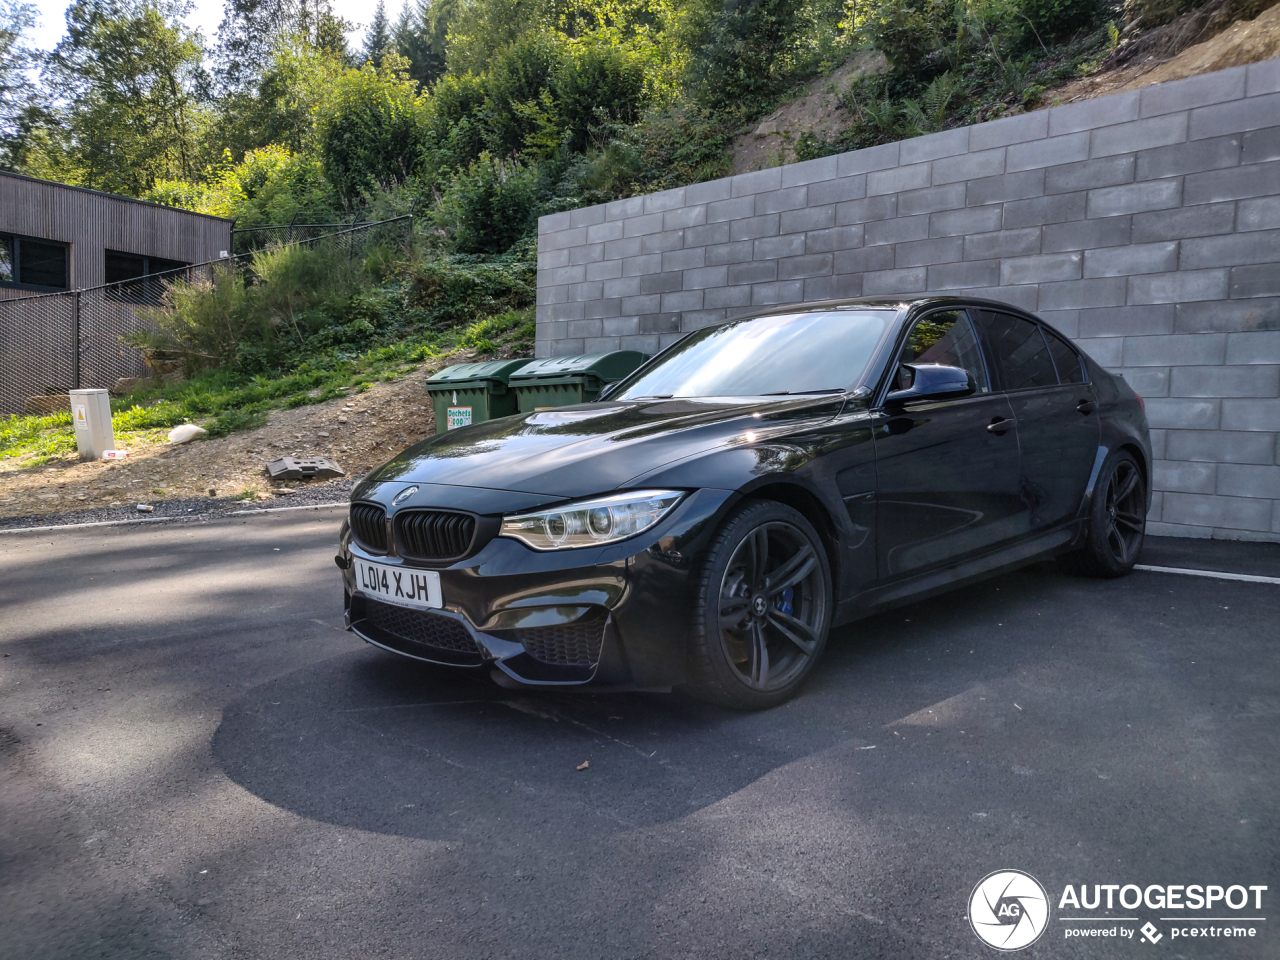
point(490, 207)
point(455, 290)
point(600, 85)
point(683, 145)
point(455, 125)
point(519, 103)
point(747, 52)
point(201, 323)
point(908, 32)
point(296, 280)
point(269, 186)
point(1051, 18)
point(373, 130)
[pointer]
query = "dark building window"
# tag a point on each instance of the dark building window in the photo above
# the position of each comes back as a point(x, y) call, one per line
point(130, 266)
point(28, 262)
point(130, 270)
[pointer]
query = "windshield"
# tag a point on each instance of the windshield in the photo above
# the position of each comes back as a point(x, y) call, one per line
point(790, 353)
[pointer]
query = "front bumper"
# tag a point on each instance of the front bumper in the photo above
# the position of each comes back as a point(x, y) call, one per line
point(616, 615)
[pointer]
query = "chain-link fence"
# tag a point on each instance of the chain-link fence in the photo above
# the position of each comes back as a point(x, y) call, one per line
point(351, 233)
point(54, 342)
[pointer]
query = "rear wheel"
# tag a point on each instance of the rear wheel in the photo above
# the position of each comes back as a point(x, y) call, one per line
point(1117, 521)
point(764, 608)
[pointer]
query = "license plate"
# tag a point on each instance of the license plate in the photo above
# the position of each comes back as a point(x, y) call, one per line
point(403, 586)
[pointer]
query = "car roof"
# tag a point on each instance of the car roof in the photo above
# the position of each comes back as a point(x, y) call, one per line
point(912, 304)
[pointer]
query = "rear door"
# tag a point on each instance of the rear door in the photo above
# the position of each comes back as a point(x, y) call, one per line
point(1058, 432)
point(947, 483)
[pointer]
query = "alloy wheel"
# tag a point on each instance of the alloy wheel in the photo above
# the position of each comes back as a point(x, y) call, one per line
point(772, 605)
point(1125, 512)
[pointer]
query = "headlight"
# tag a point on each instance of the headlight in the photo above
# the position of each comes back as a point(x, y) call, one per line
point(591, 522)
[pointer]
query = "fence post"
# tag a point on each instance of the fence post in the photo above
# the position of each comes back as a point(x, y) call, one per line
point(351, 239)
point(75, 337)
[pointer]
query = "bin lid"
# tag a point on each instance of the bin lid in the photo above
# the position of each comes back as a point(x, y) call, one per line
point(475, 373)
point(608, 367)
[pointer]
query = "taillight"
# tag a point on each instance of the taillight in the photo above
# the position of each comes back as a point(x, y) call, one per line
point(1142, 403)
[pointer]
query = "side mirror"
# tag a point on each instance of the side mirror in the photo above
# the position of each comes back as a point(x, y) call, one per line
point(934, 381)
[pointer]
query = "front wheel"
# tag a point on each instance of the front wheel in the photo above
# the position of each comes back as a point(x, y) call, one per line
point(1117, 521)
point(764, 608)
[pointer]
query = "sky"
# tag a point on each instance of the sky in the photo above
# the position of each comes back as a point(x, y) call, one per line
point(205, 15)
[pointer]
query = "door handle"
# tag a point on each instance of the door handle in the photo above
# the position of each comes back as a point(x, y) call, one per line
point(1000, 425)
point(1087, 406)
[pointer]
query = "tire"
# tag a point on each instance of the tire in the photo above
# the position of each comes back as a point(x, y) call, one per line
point(749, 654)
point(1117, 521)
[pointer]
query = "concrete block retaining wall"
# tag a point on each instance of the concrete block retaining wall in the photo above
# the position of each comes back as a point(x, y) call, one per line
point(1146, 225)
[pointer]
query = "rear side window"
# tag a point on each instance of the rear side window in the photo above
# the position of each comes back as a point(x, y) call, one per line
point(1019, 349)
point(1066, 360)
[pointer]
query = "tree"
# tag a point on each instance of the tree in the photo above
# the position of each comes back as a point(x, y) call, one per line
point(17, 59)
point(377, 40)
point(279, 108)
point(421, 37)
point(127, 73)
point(251, 29)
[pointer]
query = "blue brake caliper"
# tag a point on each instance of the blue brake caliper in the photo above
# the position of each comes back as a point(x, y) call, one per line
point(783, 603)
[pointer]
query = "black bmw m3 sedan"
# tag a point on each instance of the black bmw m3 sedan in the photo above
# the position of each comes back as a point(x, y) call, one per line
point(707, 521)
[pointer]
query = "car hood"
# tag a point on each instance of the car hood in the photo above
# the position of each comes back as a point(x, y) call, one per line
point(589, 448)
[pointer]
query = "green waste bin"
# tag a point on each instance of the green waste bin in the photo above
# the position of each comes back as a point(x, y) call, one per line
point(559, 381)
point(473, 392)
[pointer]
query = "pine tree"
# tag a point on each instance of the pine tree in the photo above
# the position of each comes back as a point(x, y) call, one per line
point(414, 40)
point(377, 40)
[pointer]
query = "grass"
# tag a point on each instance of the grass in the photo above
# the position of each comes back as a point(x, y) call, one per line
point(225, 402)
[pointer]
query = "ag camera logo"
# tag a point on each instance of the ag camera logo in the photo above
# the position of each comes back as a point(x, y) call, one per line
point(1008, 910)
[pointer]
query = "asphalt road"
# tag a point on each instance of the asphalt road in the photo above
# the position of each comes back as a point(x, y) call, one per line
point(196, 761)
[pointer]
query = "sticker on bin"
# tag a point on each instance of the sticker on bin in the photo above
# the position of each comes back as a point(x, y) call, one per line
point(459, 417)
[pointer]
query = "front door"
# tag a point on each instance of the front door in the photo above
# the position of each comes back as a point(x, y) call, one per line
point(1058, 431)
point(946, 472)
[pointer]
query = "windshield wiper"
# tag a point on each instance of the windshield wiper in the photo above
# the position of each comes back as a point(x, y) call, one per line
point(654, 396)
point(800, 393)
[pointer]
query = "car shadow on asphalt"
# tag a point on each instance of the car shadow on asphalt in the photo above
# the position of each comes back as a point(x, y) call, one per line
point(379, 743)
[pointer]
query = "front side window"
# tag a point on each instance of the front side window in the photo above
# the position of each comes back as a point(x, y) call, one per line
point(1019, 350)
point(791, 353)
point(29, 262)
point(945, 338)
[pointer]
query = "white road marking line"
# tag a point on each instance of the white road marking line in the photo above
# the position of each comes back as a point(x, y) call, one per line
point(1214, 574)
point(120, 523)
point(96, 523)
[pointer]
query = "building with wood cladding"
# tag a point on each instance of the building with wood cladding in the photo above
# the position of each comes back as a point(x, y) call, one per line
point(54, 237)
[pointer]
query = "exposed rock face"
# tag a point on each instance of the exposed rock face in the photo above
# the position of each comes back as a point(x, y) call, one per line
point(816, 110)
point(1163, 54)
point(1244, 42)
